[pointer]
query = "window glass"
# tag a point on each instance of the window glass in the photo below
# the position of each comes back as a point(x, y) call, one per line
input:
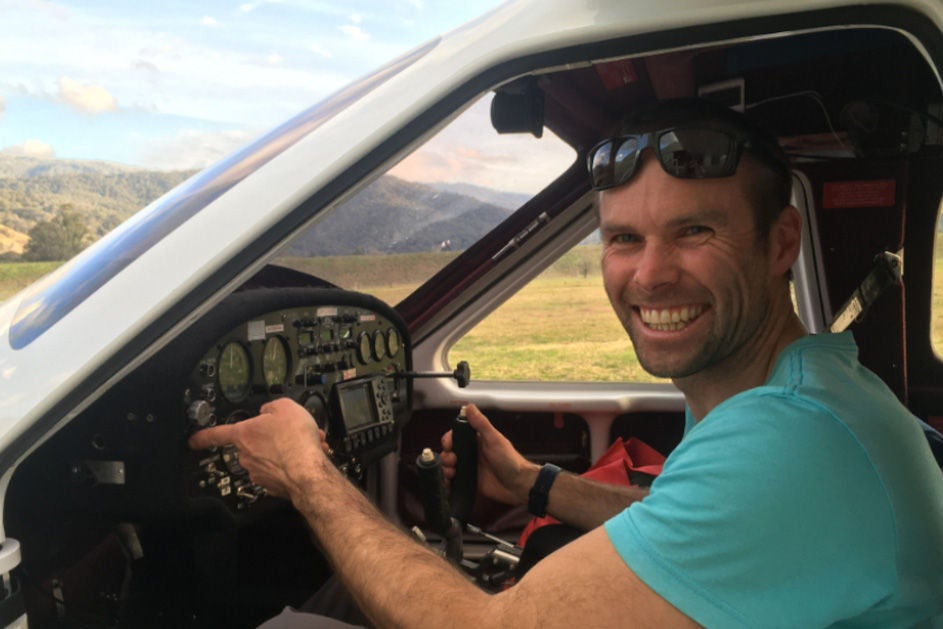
point(558, 328)
point(413, 220)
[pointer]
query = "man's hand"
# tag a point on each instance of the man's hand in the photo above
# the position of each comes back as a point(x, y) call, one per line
point(503, 474)
point(278, 448)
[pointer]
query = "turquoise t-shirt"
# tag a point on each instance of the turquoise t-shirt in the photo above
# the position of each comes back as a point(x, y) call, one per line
point(811, 501)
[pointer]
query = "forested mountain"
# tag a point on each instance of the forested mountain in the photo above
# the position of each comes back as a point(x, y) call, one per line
point(500, 198)
point(389, 216)
point(396, 216)
point(33, 190)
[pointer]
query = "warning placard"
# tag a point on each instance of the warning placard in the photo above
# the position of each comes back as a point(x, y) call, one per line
point(866, 193)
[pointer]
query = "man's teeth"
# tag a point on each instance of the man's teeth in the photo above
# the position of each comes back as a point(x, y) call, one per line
point(670, 319)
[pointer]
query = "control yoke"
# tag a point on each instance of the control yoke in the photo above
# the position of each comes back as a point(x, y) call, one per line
point(462, 374)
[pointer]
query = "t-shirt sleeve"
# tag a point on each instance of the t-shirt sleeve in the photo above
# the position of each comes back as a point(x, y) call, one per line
point(767, 514)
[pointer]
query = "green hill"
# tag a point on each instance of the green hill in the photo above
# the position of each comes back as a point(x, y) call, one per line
point(33, 190)
point(389, 216)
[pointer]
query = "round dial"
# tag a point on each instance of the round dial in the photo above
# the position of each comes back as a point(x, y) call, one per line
point(274, 362)
point(234, 372)
point(393, 341)
point(379, 345)
point(364, 347)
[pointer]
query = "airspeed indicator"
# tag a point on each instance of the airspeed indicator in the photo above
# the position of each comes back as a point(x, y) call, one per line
point(234, 372)
point(274, 362)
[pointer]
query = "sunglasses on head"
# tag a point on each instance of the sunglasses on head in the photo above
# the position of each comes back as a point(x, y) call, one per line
point(686, 152)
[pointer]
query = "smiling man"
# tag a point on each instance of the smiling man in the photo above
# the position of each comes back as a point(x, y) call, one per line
point(697, 250)
point(802, 494)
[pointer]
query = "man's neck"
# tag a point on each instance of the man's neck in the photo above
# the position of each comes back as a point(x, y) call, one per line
point(748, 368)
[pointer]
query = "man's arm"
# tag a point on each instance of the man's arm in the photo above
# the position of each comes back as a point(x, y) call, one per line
point(586, 504)
point(401, 583)
point(507, 476)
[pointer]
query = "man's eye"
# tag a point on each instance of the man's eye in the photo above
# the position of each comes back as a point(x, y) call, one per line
point(696, 230)
point(622, 239)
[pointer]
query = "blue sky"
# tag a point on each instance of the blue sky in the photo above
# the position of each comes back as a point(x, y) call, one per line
point(179, 84)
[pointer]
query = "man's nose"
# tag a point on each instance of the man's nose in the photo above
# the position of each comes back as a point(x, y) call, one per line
point(657, 266)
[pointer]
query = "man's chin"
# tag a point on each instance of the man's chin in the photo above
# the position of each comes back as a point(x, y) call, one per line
point(660, 368)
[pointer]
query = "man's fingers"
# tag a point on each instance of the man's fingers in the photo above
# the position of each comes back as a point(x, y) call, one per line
point(478, 420)
point(447, 441)
point(211, 438)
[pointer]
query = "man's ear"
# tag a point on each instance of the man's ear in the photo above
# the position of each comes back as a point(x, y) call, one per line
point(785, 238)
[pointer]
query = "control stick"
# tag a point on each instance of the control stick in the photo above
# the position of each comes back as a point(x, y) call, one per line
point(465, 483)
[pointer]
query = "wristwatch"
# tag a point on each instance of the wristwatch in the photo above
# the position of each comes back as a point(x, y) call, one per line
point(539, 493)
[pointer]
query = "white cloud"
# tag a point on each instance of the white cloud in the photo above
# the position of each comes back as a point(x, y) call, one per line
point(209, 21)
point(3, 106)
point(30, 148)
point(93, 99)
point(190, 150)
point(321, 51)
point(274, 59)
point(355, 32)
point(248, 7)
point(167, 67)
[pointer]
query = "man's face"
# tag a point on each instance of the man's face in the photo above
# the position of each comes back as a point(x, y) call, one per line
point(684, 269)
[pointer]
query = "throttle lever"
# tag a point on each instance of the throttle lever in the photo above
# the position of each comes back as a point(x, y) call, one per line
point(465, 483)
point(434, 505)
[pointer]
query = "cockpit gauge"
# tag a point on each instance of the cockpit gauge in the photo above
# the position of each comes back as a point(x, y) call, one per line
point(234, 372)
point(393, 342)
point(364, 347)
point(274, 362)
point(379, 345)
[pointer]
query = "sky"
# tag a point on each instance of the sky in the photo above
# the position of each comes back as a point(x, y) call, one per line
point(178, 84)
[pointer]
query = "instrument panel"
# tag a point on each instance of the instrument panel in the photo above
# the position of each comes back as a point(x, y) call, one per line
point(342, 358)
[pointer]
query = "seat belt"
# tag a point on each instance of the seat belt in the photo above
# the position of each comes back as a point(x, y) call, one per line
point(886, 272)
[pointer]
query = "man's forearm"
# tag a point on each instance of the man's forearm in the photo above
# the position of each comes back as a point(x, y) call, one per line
point(583, 503)
point(396, 581)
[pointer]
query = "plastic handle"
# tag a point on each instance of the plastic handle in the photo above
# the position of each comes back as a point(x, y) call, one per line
point(432, 490)
point(465, 483)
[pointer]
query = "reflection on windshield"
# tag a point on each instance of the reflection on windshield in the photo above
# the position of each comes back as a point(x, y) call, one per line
point(51, 299)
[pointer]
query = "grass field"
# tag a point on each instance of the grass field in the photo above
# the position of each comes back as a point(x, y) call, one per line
point(15, 276)
point(555, 329)
point(558, 328)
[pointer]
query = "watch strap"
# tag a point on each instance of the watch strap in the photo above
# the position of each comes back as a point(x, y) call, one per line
point(540, 492)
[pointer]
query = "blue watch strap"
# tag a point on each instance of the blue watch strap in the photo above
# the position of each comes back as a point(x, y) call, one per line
point(539, 493)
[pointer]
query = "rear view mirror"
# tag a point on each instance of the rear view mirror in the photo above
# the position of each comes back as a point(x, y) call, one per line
point(519, 108)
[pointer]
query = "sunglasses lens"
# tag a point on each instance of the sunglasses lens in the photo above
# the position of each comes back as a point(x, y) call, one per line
point(608, 169)
point(626, 158)
point(600, 165)
point(697, 153)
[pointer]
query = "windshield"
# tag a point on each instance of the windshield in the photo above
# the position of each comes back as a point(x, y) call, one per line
point(51, 299)
point(417, 217)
